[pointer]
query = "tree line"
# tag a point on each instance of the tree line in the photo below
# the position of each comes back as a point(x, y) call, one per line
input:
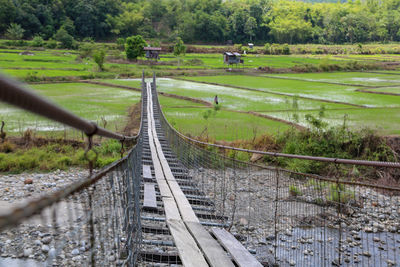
point(206, 21)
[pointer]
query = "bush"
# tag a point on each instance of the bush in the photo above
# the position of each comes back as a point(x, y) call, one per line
point(267, 49)
point(134, 47)
point(286, 49)
point(86, 50)
point(67, 41)
point(294, 191)
point(99, 57)
point(51, 44)
point(37, 41)
point(121, 43)
point(15, 32)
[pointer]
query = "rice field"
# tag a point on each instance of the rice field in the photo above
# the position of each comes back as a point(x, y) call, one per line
point(93, 102)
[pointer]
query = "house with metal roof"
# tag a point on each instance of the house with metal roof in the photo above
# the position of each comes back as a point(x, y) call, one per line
point(232, 58)
point(152, 52)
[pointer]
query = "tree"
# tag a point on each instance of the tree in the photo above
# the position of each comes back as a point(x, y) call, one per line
point(99, 57)
point(15, 32)
point(67, 41)
point(250, 27)
point(179, 47)
point(134, 47)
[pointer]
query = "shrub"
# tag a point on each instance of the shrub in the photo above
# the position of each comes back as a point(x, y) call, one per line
point(37, 41)
point(339, 194)
point(121, 43)
point(51, 44)
point(286, 49)
point(7, 147)
point(267, 49)
point(15, 32)
point(67, 41)
point(294, 191)
point(99, 57)
point(86, 49)
point(179, 47)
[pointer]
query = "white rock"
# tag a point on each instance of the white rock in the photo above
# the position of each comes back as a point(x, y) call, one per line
point(27, 252)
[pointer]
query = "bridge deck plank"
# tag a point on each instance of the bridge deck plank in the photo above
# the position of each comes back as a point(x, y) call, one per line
point(147, 172)
point(150, 199)
point(242, 257)
point(213, 251)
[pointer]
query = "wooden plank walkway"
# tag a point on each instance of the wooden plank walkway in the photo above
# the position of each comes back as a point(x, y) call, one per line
point(150, 199)
point(242, 257)
point(195, 244)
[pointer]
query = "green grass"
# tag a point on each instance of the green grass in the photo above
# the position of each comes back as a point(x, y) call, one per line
point(395, 90)
point(92, 102)
point(56, 157)
point(385, 120)
point(224, 125)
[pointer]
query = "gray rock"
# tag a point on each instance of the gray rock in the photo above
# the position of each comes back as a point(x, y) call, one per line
point(75, 252)
point(45, 248)
point(366, 254)
point(46, 240)
point(28, 252)
point(52, 253)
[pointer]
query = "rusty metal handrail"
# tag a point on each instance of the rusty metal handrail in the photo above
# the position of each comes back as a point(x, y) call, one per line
point(14, 93)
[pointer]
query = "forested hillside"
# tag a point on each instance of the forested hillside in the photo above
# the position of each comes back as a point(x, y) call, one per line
point(207, 21)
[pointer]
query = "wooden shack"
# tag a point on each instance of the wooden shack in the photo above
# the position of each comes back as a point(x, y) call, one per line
point(232, 58)
point(152, 52)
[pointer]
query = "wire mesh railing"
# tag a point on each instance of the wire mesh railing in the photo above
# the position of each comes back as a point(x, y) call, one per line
point(296, 219)
point(94, 221)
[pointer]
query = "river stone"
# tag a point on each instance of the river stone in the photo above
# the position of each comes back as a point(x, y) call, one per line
point(46, 240)
point(27, 252)
point(45, 248)
point(75, 252)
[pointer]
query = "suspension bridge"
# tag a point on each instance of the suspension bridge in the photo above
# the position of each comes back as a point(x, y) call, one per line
point(173, 200)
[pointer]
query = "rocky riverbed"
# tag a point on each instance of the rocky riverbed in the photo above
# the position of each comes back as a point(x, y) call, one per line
point(302, 222)
point(57, 237)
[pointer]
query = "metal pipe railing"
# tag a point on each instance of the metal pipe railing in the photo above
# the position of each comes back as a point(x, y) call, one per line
point(15, 93)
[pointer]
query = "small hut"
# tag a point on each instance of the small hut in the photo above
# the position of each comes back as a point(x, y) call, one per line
point(152, 52)
point(232, 58)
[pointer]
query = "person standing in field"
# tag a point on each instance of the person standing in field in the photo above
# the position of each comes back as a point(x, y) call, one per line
point(216, 99)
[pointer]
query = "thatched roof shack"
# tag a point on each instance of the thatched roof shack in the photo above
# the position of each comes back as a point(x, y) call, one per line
point(152, 52)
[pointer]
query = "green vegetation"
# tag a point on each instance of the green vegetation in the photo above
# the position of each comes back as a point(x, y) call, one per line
point(134, 47)
point(55, 156)
point(339, 194)
point(213, 21)
point(294, 191)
